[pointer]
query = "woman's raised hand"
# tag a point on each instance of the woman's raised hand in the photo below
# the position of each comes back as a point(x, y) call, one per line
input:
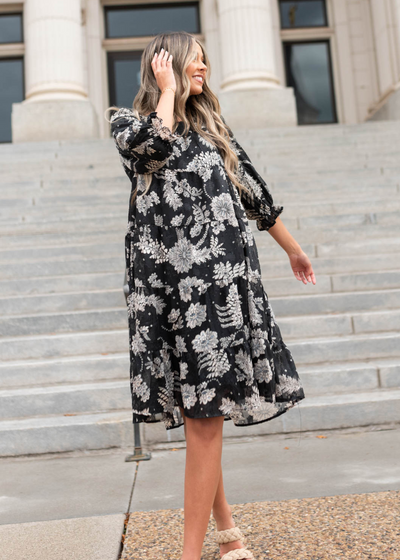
point(162, 68)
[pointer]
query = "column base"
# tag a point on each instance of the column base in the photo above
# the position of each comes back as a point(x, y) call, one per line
point(53, 120)
point(258, 108)
point(390, 111)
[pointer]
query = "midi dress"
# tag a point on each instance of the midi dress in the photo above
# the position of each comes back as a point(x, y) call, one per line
point(202, 333)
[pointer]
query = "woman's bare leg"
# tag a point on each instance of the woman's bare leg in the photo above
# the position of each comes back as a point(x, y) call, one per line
point(202, 474)
point(221, 510)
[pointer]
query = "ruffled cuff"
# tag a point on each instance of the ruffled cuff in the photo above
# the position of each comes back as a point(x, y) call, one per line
point(158, 129)
point(263, 224)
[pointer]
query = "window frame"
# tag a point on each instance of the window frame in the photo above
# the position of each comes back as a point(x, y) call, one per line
point(152, 6)
point(14, 13)
point(326, 16)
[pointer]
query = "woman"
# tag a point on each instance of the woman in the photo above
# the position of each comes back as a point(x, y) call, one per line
point(204, 345)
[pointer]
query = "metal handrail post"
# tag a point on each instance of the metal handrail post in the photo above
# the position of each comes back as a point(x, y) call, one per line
point(138, 454)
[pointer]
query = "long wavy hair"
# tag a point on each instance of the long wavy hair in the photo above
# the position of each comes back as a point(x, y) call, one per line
point(194, 110)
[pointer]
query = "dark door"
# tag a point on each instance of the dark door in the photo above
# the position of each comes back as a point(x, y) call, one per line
point(309, 72)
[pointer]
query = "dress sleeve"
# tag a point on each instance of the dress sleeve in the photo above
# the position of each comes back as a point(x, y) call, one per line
point(258, 204)
point(145, 140)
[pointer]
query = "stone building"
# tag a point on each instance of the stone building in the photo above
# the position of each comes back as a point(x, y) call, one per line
point(274, 62)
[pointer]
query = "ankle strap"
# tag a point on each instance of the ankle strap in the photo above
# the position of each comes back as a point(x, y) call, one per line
point(229, 535)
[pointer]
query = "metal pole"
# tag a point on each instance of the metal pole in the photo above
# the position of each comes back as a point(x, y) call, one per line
point(138, 454)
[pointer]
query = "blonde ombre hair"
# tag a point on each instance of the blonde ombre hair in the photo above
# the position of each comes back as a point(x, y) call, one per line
point(194, 110)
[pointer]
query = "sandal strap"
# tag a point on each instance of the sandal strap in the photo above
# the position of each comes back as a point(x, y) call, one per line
point(238, 554)
point(229, 535)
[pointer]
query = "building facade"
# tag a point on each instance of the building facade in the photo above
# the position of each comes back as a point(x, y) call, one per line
point(273, 62)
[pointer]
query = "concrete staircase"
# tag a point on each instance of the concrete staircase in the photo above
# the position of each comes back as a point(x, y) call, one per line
point(64, 369)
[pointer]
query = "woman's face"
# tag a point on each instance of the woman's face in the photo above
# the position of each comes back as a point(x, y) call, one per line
point(196, 68)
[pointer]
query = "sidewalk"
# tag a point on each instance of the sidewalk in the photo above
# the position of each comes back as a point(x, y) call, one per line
point(294, 492)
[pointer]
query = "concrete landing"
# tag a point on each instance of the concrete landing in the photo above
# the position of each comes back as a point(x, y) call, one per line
point(85, 538)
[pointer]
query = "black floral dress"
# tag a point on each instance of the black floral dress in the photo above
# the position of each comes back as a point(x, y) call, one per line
point(202, 333)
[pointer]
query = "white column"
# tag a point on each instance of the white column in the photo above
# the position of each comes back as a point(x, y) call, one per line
point(386, 26)
point(53, 44)
point(251, 94)
point(53, 75)
point(396, 8)
point(247, 38)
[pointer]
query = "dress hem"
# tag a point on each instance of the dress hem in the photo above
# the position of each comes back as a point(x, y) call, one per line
point(289, 404)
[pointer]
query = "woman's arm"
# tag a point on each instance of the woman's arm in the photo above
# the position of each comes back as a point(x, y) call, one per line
point(282, 236)
point(299, 261)
point(146, 142)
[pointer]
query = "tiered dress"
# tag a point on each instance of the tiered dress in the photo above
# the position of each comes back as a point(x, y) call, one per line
point(202, 332)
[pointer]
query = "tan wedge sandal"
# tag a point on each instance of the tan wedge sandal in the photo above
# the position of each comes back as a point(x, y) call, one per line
point(231, 535)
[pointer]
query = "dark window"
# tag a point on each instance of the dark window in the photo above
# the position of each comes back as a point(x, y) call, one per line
point(303, 13)
point(11, 28)
point(124, 77)
point(11, 91)
point(309, 72)
point(151, 19)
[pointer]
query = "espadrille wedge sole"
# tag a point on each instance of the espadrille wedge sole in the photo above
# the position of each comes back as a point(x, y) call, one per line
point(231, 535)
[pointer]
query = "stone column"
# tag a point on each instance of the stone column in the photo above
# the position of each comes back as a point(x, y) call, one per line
point(56, 105)
point(251, 95)
point(386, 29)
point(397, 34)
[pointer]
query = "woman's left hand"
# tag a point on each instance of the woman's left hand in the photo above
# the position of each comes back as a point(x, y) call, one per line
point(301, 266)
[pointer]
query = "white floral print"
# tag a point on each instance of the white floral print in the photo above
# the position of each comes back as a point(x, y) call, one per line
point(202, 334)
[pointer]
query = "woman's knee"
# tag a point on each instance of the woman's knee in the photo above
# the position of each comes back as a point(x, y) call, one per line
point(205, 429)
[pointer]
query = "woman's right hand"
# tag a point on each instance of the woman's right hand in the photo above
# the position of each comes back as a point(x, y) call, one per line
point(163, 72)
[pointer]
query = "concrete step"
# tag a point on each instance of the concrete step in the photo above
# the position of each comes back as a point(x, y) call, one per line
point(358, 284)
point(84, 251)
point(307, 234)
point(319, 350)
point(72, 241)
point(350, 377)
point(62, 302)
point(344, 302)
point(304, 321)
point(103, 396)
point(116, 190)
point(300, 209)
point(106, 430)
point(64, 322)
point(60, 239)
point(55, 284)
point(339, 324)
point(66, 433)
point(65, 214)
point(379, 218)
point(304, 350)
point(45, 346)
point(329, 265)
point(279, 267)
point(320, 413)
point(64, 370)
point(69, 225)
point(63, 268)
point(362, 231)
